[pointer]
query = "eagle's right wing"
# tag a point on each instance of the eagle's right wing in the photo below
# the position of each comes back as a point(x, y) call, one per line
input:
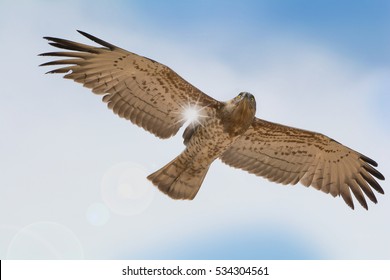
point(139, 89)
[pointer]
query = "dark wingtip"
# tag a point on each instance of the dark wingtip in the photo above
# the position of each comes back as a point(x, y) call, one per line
point(97, 40)
point(82, 32)
point(370, 169)
point(50, 38)
point(50, 54)
point(369, 160)
point(374, 172)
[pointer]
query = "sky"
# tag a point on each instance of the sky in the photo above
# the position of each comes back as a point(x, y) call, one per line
point(73, 175)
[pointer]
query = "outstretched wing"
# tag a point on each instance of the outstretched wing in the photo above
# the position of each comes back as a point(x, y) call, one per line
point(288, 155)
point(139, 89)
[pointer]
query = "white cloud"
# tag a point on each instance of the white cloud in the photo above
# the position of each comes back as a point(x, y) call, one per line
point(61, 141)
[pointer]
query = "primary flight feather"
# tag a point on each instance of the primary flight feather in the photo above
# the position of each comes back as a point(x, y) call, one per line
point(153, 96)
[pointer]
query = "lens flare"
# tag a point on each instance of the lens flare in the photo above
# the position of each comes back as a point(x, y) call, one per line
point(192, 114)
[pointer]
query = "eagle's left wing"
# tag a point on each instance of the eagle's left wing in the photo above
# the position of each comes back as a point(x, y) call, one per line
point(288, 155)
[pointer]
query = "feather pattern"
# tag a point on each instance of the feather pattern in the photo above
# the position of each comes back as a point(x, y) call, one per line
point(289, 155)
point(136, 88)
point(153, 96)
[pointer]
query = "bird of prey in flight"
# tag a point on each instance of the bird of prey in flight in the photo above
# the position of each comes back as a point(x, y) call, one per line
point(154, 97)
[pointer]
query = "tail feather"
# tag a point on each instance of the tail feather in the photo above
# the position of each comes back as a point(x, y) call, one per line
point(179, 179)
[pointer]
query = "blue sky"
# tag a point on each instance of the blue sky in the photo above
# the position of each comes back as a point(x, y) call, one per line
point(351, 26)
point(73, 174)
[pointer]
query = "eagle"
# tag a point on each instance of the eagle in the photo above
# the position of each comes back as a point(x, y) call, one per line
point(154, 97)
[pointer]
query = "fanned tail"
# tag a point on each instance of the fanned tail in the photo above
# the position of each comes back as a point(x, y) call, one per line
point(179, 179)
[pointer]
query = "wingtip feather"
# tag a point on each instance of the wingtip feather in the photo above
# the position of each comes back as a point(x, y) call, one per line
point(97, 40)
point(369, 160)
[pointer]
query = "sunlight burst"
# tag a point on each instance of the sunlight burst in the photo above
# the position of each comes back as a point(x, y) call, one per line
point(192, 114)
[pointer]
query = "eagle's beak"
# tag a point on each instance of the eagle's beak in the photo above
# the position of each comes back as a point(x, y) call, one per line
point(245, 101)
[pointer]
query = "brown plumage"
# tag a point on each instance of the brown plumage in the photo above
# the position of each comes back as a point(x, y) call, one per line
point(153, 96)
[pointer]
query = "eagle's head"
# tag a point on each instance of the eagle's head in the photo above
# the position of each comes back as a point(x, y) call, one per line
point(242, 107)
point(238, 113)
point(246, 100)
